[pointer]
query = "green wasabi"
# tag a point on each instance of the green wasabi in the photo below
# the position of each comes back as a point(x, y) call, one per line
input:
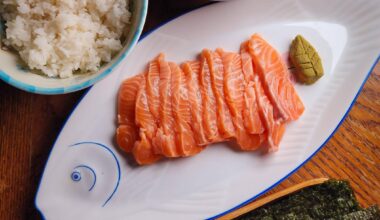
point(306, 60)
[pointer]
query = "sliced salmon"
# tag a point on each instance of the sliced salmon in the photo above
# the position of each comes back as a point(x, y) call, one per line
point(234, 93)
point(275, 79)
point(246, 97)
point(274, 128)
point(224, 121)
point(142, 151)
point(186, 144)
point(143, 117)
point(127, 132)
point(147, 128)
point(152, 89)
point(165, 136)
point(252, 121)
point(209, 103)
point(126, 135)
point(191, 70)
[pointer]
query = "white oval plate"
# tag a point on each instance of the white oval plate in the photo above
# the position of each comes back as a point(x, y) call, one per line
point(87, 177)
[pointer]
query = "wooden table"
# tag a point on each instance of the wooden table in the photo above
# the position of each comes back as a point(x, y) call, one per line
point(30, 123)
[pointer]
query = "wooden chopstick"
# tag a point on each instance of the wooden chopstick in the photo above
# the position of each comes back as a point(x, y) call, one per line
point(270, 198)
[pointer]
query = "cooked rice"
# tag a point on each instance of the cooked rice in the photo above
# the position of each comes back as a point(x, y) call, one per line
point(60, 37)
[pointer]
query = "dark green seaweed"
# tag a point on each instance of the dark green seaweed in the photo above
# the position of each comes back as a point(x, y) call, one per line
point(371, 213)
point(333, 199)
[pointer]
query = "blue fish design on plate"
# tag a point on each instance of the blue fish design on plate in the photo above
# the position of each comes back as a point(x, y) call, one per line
point(90, 173)
point(85, 171)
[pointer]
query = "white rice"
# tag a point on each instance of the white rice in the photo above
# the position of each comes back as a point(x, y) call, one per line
point(59, 37)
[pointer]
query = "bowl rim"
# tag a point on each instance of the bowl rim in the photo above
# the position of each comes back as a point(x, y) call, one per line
point(72, 88)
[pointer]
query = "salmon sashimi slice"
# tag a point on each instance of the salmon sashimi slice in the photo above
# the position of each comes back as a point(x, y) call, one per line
point(234, 93)
point(145, 121)
point(186, 144)
point(224, 121)
point(191, 70)
point(274, 128)
point(252, 121)
point(127, 132)
point(275, 78)
point(143, 117)
point(152, 89)
point(165, 136)
point(142, 151)
point(209, 104)
point(126, 136)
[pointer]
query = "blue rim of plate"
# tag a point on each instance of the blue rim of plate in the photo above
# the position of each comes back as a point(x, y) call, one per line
point(143, 36)
point(62, 90)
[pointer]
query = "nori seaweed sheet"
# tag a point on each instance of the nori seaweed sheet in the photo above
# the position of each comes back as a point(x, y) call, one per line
point(371, 213)
point(333, 199)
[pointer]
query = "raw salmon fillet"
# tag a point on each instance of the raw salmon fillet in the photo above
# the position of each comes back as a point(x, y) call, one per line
point(191, 70)
point(152, 89)
point(251, 116)
point(274, 128)
point(224, 121)
point(209, 104)
point(186, 144)
point(173, 111)
point(234, 92)
point(143, 150)
point(275, 79)
point(127, 132)
point(165, 135)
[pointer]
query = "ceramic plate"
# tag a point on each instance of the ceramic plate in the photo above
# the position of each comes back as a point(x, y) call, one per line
point(87, 177)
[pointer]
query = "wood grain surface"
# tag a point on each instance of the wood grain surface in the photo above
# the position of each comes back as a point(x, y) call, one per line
point(30, 123)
